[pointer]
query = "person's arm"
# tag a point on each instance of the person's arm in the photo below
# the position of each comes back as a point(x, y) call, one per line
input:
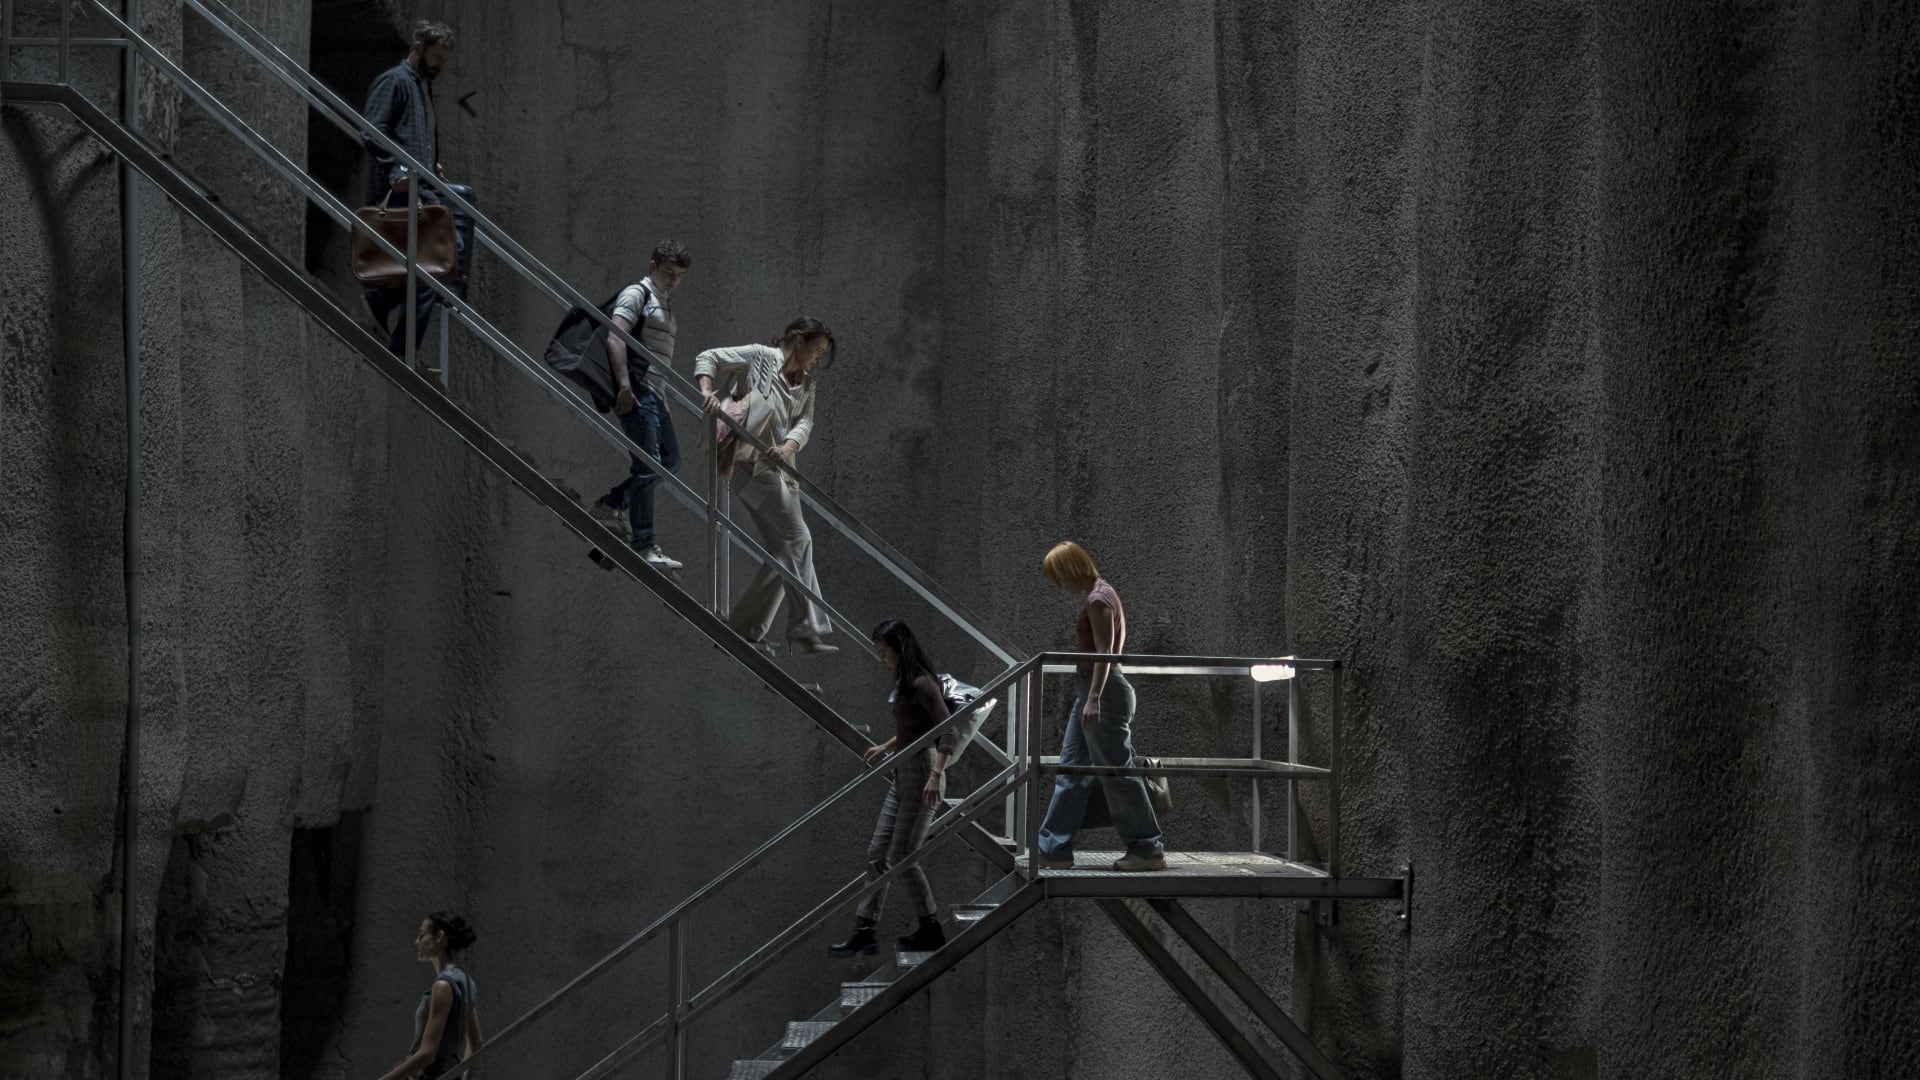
point(383, 105)
point(624, 400)
point(474, 1037)
point(715, 364)
point(798, 434)
point(1101, 617)
point(879, 750)
point(439, 1004)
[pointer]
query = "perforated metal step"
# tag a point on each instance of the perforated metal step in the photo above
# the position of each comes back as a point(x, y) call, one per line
point(968, 914)
point(912, 959)
point(802, 1032)
point(855, 994)
point(756, 1069)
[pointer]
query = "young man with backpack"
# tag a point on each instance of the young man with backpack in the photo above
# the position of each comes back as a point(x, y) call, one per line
point(641, 310)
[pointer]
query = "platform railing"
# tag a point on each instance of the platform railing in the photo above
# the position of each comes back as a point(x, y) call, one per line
point(1016, 789)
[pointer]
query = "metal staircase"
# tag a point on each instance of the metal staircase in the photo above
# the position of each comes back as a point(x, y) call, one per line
point(1144, 907)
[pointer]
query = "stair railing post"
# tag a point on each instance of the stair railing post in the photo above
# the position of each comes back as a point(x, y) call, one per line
point(1333, 781)
point(716, 537)
point(413, 248)
point(1293, 757)
point(726, 549)
point(1013, 822)
point(1032, 689)
point(6, 38)
point(676, 1035)
point(1254, 784)
point(446, 333)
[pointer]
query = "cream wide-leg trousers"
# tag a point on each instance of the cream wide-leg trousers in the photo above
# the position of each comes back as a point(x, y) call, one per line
point(773, 501)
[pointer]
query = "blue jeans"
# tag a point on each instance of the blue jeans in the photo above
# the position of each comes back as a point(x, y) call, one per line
point(384, 302)
point(1109, 743)
point(650, 425)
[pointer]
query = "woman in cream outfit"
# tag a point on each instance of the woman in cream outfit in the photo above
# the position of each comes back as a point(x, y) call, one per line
point(776, 382)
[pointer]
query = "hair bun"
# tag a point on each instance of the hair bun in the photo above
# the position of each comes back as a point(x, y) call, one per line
point(459, 932)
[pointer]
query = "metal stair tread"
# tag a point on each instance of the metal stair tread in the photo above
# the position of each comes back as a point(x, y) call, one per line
point(855, 994)
point(752, 1069)
point(1197, 864)
point(802, 1032)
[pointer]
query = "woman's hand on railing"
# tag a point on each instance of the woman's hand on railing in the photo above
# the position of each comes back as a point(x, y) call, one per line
point(878, 750)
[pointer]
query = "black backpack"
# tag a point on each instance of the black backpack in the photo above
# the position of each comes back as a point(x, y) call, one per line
point(579, 351)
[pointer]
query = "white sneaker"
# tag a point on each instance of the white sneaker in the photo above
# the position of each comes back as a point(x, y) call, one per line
point(613, 518)
point(656, 557)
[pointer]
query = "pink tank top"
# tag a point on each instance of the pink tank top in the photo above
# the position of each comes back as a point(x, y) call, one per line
point(1101, 593)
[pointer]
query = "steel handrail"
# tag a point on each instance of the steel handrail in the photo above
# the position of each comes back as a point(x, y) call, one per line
point(1185, 661)
point(457, 307)
point(996, 687)
point(869, 778)
point(303, 82)
point(273, 266)
point(947, 827)
point(540, 373)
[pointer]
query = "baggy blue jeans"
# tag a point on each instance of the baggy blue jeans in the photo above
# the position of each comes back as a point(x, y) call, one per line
point(1109, 743)
point(650, 426)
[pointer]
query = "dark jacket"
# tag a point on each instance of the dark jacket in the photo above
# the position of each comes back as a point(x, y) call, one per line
point(399, 104)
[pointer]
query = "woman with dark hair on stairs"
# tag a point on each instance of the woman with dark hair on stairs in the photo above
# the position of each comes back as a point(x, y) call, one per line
point(918, 785)
point(446, 1026)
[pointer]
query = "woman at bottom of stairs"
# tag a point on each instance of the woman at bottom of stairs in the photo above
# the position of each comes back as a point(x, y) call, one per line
point(916, 791)
point(446, 1026)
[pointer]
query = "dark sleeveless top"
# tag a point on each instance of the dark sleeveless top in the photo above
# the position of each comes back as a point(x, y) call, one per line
point(453, 1034)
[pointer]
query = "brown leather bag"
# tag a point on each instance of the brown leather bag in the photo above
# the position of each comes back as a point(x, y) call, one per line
point(436, 252)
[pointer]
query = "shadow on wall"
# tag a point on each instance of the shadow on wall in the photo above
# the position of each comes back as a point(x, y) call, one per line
point(180, 933)
point(322, 880)
point(352, 42)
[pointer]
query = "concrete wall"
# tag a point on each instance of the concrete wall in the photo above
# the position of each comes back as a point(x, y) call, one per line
point(1554, 365)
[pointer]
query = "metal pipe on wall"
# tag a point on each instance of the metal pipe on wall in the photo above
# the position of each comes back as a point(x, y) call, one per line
point(131, 553)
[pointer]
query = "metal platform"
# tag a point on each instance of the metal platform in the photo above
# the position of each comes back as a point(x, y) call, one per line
point(1212, 768)
point(1212, 873)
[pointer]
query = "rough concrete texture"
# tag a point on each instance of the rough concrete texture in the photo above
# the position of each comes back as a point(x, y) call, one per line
point(1555, 364)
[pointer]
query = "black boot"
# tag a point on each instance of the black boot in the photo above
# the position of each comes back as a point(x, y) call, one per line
point(926, 939)
point(863, 940)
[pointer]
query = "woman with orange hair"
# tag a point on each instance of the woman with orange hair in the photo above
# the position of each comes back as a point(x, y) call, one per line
point(1099, 727)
